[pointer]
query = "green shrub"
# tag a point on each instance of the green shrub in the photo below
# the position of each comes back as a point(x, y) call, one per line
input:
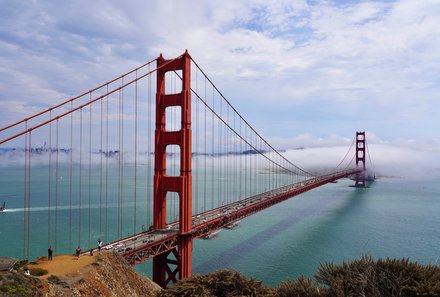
point(361, 277)
point(20, 264)
point(16, 289)
point(388, 277)
point(53, 279)
point(222, 283)
point(38, 271)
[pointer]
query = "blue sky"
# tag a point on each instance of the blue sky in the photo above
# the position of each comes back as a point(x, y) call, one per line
point(302, 72)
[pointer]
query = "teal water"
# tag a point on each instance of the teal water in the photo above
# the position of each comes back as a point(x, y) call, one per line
point(394, 217)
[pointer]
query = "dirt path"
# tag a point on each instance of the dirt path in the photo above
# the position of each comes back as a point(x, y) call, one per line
point(64, 265)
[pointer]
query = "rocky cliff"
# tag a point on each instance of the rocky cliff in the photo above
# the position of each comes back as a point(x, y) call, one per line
point(102, 275)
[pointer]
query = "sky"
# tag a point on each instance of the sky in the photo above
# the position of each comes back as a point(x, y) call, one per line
point(303, 73)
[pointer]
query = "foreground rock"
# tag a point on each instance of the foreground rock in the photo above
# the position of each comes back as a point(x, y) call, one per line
point(103, 275)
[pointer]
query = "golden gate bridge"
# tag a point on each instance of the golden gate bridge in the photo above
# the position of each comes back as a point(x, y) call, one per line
point(157, 153)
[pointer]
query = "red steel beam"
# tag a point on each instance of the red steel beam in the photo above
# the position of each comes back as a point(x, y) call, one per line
point(182, 185)
point(155, 249)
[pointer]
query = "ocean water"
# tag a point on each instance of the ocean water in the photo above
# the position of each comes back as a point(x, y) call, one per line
point(394, 217)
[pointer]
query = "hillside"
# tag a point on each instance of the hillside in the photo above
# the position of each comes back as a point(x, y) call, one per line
point(109, 275)
point(100, 275)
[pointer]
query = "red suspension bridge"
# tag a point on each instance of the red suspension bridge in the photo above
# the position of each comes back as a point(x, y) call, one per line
point(94, 166)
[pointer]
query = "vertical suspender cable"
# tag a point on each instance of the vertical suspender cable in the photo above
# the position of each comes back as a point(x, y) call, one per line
point(259, 165)
point(226, 183)
point(119, 165)
point(122, 155)
point(205, 153)
point(90, 173)
point(246, 161)
point(173, 149)
point(276, 171)
point(56, 185)
point(80, 176)
point(241, 163)
point(219, 157)
point(227, 194)
point(233, 160)
point(25, 189)
point(197, 156)
point(149, 163)
point(106, 169)
point(245, 164)
point(169, 197)
point(272, 171)
point(135, 151)
point(251, 173)
point(100, 169)
point(70, 178)
point(235, 139)
point(212, 155)
point(29, 198)
point(49, 178)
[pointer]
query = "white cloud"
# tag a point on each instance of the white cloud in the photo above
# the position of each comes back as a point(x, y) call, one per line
point(376, 62)
point(386, 160)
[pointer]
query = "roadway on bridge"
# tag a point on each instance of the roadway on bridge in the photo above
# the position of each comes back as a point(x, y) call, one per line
point(205, 223)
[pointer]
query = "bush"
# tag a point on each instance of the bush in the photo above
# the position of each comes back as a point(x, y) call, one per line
point(223, 283)
point(15, 284)
point(38, 271)
point(20, 264)
point(53, 279)
point(298, 288)
point(16, 289)
point(389, 277)
point(361, 277)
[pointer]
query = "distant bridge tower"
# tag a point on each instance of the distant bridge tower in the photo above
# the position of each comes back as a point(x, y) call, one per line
point(360, 160)
point(177, 262)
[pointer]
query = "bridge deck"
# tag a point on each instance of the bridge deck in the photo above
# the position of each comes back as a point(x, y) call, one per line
point(140, 247)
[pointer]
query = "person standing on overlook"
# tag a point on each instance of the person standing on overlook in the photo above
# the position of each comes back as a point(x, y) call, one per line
point(78, 251)
point(99, 245)
point(49, 253)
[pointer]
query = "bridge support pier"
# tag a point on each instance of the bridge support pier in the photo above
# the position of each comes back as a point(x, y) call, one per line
point(360, 160)
point(164, 267)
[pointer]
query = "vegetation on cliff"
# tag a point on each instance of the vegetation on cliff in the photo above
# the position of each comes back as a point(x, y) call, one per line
point(362, 277)
point(104, 275)
point(109, 275)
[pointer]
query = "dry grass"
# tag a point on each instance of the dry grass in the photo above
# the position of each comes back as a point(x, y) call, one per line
point(363, 277)
point(389, 277)
point(223, 283)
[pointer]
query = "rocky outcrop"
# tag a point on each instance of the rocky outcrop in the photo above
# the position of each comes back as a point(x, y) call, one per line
point(108, 275)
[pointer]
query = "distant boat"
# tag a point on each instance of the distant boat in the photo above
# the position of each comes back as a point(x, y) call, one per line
point(2, 208)
point(232, 225)
point(211, 235)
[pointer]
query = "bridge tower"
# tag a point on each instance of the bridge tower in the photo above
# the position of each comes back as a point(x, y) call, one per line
point(177, 262)
point(360, 160)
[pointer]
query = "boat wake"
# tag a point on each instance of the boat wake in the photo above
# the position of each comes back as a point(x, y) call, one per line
point(62, 207)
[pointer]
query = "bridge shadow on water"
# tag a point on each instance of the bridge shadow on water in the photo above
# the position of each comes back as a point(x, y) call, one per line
point(233, 254)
